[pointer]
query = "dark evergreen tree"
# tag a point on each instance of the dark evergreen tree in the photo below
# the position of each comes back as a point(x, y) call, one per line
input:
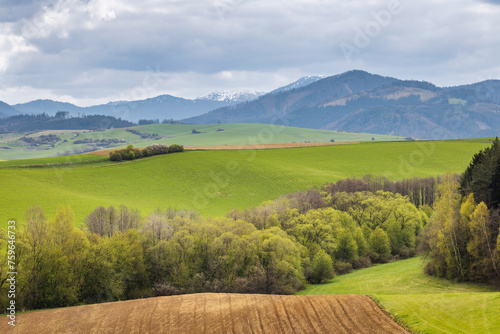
point(482, 176)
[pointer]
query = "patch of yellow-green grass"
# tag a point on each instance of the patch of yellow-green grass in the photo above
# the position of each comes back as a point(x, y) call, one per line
point(457, 101)
point(423, 303)
point(446, 312)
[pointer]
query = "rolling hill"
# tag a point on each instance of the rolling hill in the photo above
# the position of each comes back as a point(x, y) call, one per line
point(214, 182)
point(360, 101)
point(425, 304)
point(13, 146)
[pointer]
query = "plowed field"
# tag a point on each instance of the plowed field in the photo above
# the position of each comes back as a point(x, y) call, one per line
point(214, 313)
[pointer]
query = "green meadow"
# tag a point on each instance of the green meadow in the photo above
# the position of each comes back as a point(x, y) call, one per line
point(11, 147)
point(213, 182)
point(423, 303)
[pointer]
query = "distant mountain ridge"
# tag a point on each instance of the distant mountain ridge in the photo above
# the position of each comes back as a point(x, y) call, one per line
point(46, 106)
point(7, 110)
point(354, 101)
point(160, 107)
point(357, 101)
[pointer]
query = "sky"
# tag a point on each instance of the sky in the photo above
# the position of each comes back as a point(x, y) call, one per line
point(95, 51)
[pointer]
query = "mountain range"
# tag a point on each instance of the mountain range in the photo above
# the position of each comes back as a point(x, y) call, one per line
point(357, 101)
point(160, 107)
point(354, 101)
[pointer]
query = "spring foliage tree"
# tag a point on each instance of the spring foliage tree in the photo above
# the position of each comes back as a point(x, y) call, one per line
point(275, 248)
point(321, 268)
point(464, 230)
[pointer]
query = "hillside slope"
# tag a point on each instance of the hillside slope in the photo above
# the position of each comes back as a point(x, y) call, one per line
point(6, 110)
point(214, 182)
point(13, 147)
point(215, 313)
point(426, 304)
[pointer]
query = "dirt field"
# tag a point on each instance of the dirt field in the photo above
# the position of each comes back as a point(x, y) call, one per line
point(266, 146)
point(214, 313)
point(246, 147)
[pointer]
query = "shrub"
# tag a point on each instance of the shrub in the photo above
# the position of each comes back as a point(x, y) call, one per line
point(175, 148)
point(321, 268)
point(138, 153)
point(362, 262)
point(406, 252)
point(380, 246)
point(157, 149)
point(130, 155)
point(166, 289)
point(342, 267)
point(115, 156)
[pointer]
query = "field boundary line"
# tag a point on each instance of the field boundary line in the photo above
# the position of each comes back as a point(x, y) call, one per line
point(395, 318)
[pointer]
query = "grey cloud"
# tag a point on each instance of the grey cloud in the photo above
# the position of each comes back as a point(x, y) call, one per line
point(13, 10)
point(190, 40)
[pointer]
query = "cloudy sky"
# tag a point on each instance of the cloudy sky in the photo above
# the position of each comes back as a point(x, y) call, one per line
point(94, 51)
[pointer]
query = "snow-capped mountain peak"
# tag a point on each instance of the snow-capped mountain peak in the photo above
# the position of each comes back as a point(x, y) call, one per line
point(304, 81)
point(232, 96)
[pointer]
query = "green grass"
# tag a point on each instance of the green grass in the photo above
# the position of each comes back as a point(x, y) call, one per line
point(186, 180)
point(425, 304)
point(70, 160)
point(457, 101)
point(233, 134)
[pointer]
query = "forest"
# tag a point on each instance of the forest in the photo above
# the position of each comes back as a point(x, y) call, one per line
point(118, 255)
point(24, 123)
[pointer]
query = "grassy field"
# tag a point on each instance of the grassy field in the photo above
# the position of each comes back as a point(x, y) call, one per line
point(70, 160)
point(214, 182)
point(425, 304)
point(11, 147)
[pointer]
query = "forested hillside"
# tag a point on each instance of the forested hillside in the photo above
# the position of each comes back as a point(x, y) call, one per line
point(360, 101)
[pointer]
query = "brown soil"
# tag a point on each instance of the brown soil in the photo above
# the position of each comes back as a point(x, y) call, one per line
point(246, 147)
point(214, 313)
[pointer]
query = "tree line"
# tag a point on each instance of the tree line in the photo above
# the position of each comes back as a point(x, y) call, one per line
point(420, 191)
point(24, 123)
point(131, 153)
point(463, 236)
